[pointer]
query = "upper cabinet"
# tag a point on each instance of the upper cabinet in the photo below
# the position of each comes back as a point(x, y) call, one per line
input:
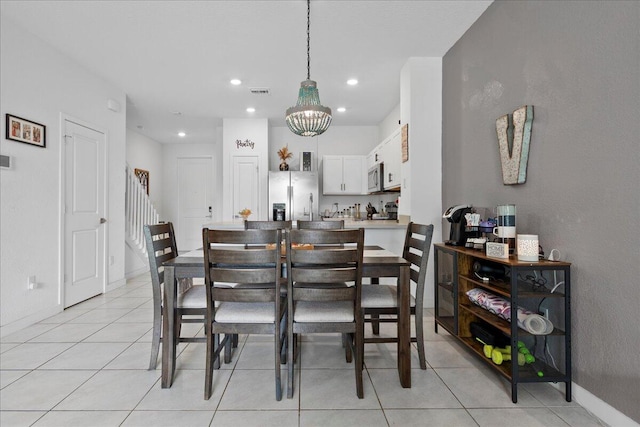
point(389, 152)
point(374, 157)
point(343, 175)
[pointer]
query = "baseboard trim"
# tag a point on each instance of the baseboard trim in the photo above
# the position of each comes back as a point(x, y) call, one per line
point(598, 407)
point(135, 273)
point(116, 284)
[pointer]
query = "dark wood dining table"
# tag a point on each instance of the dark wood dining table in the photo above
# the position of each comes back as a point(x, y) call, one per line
point(377, 263)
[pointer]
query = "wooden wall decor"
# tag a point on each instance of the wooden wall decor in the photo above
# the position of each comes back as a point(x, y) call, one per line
point(143, 176)
point(514, 138)
point(405, 143)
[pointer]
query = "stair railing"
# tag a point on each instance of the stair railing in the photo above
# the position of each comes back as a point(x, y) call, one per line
point(138, 209)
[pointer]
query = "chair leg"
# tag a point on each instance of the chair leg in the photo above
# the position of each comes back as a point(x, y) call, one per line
point(375, 324)
point(347, 343)
point(227, 349)
point(283, 340)
point(234, 341)
point(209, 365)
point(278, 379)
point(290, 358)
point(155, 340)
point(358, 348)
point(420, 338)
point(216, 339)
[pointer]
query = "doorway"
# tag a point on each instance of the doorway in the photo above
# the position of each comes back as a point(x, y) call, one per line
point(195, 195)
point(246, 189)
point(84, 211)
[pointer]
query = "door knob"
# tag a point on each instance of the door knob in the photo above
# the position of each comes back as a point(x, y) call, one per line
point(103, 220)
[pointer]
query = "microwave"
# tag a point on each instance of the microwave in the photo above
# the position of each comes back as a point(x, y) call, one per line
point(375, 178)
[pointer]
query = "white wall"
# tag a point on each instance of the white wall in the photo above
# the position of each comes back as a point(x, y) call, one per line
point(390, 123)
point(39, 83)
point(421, 108)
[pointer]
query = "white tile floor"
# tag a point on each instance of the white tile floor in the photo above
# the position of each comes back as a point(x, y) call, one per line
point(88, 367)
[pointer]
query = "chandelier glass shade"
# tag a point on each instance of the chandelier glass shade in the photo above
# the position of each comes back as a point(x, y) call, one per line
point(308, 117)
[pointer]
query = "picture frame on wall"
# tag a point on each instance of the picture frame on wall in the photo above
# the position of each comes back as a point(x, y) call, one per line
point(143, 176)
point(405, 143)
point(23, 130)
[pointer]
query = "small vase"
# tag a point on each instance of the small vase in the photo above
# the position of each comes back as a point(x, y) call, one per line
point(245, 217)
point(284, 166)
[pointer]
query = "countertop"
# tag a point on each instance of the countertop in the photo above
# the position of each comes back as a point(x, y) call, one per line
point(348, 223)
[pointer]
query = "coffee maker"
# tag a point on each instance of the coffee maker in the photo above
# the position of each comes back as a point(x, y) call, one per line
point(455, 215)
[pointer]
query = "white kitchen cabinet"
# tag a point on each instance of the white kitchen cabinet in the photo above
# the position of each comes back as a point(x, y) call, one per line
point(374, 157)
point(343, 175)
point(392, 158)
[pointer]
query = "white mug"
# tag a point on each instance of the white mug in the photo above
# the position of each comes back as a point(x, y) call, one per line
point(504, 232)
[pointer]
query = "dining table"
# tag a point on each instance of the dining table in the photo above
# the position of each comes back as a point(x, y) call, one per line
point(377, 263)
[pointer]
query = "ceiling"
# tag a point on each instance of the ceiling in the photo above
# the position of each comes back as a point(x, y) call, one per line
point(179, 56)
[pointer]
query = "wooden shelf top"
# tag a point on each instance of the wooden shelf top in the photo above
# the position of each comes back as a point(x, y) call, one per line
point(512, 261)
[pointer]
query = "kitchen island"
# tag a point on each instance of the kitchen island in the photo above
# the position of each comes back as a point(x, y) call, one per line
point(388, 234)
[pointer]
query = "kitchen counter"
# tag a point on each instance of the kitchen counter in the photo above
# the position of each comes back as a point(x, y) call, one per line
point(388, 234)
point(348, 223)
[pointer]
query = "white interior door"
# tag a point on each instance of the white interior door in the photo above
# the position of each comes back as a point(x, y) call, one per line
point(195, 188)
point(246, 193)
point(85, 228)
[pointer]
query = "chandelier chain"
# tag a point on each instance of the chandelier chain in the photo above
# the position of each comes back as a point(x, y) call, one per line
point(308, 117)
point(308, 40)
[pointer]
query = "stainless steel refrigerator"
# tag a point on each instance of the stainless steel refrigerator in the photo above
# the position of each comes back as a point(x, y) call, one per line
point(296, 193)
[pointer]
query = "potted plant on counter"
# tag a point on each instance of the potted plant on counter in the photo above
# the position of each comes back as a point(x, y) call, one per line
point(244, 213)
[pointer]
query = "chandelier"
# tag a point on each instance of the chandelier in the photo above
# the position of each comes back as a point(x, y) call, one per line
point(308, 117)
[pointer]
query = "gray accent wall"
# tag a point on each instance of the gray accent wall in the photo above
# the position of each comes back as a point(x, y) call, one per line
point(578, 64)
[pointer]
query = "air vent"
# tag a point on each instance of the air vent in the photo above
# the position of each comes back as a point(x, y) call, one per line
point(259, 90)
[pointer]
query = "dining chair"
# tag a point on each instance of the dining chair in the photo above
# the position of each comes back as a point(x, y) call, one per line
point(161, 246)
point(249, 300)
point(268, 225)
point(383, 299)
point(324, 291)
point(320, 225)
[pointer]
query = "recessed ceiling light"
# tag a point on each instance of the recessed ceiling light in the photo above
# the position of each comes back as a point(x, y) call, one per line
point(140, 127)
point(236, 82)
point(182, 134)
point(341, 109)
point(251, 110)
point(177, 113)
point(352, 82)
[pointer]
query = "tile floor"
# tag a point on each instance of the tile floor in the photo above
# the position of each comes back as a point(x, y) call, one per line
point(87, 366)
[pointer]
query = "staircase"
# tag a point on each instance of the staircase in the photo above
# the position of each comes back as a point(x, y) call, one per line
point(139, 211)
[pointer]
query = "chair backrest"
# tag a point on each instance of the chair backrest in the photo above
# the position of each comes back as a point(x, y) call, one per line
point(267, 225)
point(228, 260)
point(417, 244)
point(312, 272)
point(161, 246)
point(320, 225)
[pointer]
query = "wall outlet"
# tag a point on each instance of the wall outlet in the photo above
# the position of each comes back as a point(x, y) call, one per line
point(112, 260)
point(31, 282)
